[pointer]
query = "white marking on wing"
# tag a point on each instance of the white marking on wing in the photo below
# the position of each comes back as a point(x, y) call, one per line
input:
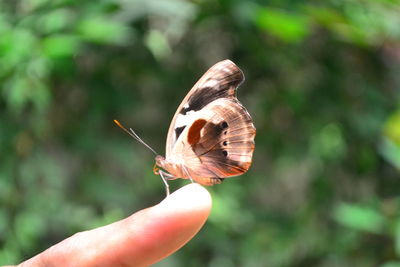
point(184, 120)
point(211, 83)
point(227, 70)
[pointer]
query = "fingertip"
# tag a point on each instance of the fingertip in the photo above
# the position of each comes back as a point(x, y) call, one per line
point(168, 226)
point(188, 198)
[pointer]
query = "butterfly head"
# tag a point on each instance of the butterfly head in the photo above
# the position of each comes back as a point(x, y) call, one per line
point(173, 169)
point(160, 160)
point(160, 163)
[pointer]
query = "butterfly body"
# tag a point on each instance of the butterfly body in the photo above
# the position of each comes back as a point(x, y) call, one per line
point(211, 136)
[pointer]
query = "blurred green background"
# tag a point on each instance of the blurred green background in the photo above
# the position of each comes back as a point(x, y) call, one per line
point(322, 85)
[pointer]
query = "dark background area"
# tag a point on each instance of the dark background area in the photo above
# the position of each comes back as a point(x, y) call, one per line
point(322, 84)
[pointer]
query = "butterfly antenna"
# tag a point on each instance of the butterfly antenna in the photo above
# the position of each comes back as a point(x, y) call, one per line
point(135, 136)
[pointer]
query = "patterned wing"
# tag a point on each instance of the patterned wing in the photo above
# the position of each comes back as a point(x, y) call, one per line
point(219, 143)
point(220, 81)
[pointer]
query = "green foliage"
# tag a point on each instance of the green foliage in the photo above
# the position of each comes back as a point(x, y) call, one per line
point(321, 84)
point(287, 27)
point(359, 218)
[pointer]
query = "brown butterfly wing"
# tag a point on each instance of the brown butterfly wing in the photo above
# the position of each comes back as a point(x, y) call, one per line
point(223, 143)
point(220, 81)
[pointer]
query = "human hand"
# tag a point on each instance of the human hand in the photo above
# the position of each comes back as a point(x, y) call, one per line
point(142, 239)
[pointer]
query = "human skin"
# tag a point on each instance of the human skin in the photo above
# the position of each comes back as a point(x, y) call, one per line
point(141, 239)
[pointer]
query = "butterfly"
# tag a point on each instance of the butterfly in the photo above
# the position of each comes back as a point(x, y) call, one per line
point(211, 136)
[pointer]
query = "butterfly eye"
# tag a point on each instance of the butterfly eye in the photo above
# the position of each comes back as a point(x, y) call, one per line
point(225, 143)
point(225, 153)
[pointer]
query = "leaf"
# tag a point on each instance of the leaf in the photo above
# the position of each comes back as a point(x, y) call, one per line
point(391, 152)
point(158, 44)
point(359, 218)
point(60, 45)
point(103, 30)
point(286, 26)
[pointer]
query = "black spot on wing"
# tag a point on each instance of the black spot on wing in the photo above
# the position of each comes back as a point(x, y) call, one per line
point(213, 133)
point(201, 98)
point(226, 84)
point(178, 131)
point(218, 128)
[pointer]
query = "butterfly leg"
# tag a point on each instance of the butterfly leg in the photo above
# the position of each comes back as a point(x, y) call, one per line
point(187, 173)
point(165, 176)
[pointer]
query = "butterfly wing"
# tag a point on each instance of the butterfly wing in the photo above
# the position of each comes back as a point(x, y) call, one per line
point(220, 81)
point(211, 136)
point(219, 143)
